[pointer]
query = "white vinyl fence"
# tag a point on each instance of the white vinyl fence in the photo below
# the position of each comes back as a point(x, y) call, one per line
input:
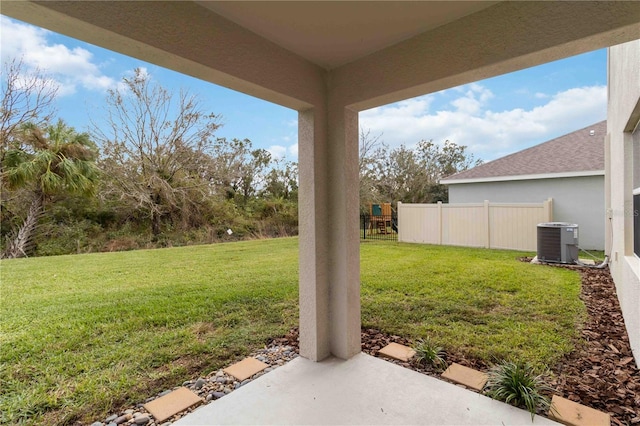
point(490, 225)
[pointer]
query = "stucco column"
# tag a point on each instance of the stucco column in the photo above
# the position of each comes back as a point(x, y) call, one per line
point(314, 244)
point(344, 241)
point(329, 239)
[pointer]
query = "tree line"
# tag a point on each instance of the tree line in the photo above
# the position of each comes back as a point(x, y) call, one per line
point(409, 175)
point(153, 173)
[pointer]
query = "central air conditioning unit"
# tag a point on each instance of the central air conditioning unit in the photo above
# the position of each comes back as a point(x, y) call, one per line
point(558, 242)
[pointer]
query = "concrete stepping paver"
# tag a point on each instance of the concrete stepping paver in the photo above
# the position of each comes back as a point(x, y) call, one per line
point(573, 414)
point(172, 403)
point(246, 368)
point(397, 351)
point(469, 377)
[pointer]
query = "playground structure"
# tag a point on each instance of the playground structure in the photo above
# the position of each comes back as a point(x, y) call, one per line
point(380, 223)
point(381, 218)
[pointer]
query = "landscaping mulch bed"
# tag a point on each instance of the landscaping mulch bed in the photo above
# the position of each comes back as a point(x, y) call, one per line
point(600, 373)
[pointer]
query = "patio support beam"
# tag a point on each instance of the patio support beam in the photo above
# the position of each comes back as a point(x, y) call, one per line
point(329, 240)
point(477, 47)
point(185, 37)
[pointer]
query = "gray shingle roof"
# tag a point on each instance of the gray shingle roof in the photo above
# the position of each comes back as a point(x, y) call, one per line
point(578, 151)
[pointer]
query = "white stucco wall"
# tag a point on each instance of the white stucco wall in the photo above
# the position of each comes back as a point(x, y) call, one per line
point(575, 199)
point(623, 115)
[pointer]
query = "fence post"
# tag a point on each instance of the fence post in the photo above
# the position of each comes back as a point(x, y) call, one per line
point(548, 209)
point(487, 231)
point(400, 234)
point(439, 222)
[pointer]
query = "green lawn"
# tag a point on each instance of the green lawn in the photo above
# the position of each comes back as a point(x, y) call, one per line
point(83, 334)
point(482, 302)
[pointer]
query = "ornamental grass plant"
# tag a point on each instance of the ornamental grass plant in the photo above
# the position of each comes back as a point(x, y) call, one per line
point(516, 383)
point(427, 352)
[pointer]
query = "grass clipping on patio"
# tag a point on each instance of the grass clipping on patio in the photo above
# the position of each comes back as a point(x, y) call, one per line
point(85, 335)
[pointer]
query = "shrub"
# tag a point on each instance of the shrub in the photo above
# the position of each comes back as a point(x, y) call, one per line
point(72, 236)
point(517, 384)
point(428, 352)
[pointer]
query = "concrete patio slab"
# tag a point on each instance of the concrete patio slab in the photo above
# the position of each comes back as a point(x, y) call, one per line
point(362, 390)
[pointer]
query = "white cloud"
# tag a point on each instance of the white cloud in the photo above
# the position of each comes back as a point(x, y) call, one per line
point(69, 67)
point(468, 105)
point(277, 151)
point(488, 134)
point(288, 143)
point(281, 152)
point(293, 151)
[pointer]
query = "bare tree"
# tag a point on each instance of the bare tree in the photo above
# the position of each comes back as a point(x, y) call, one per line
point(27, 97)
point(369, 147)
point(239, 171)
point(372, 150)
point(281, 182)
point(156, 149)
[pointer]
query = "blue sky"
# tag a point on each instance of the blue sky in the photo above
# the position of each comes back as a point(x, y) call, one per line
point(493, 117)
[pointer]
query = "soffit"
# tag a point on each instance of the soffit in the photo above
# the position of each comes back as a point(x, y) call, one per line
point(333, 33)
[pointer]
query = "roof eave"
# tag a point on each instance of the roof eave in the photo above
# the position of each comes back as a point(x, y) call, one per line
point(524, 177)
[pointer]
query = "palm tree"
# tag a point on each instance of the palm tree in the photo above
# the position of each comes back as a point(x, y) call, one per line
point(47, 162)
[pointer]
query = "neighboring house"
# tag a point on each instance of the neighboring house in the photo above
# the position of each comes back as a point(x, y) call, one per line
point(623, 182)
point(568, 169)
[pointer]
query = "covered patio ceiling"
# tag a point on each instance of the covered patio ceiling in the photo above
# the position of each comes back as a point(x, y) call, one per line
point(330, 60)
point(331, 34)
point(451, 43)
